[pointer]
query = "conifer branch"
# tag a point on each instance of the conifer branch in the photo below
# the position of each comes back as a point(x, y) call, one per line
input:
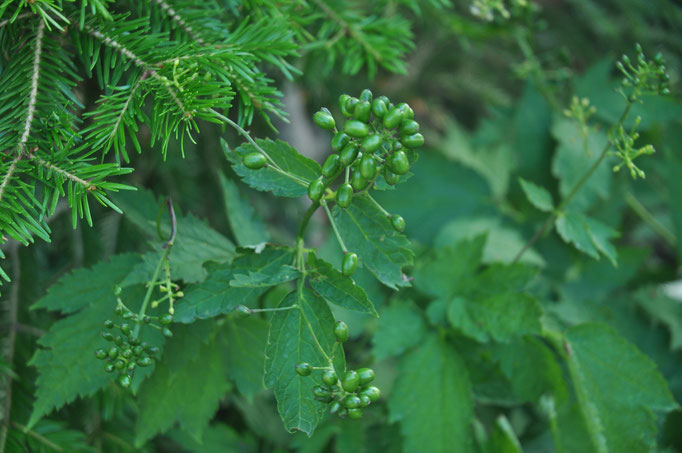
point(175, 17)
point(19, 17)
point(147, 67)
point(48, 166)
point(10, 172)
point(119, 118)
point(30, 111)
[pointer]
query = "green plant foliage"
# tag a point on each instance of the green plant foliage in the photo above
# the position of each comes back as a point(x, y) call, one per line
point(340, 226)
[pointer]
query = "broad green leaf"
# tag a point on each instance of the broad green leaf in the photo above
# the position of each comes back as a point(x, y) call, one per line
point(247, 227)
point(269, 276)
point(438, 192)
point(673, 183)
point(215, 296)
point(290, 342)
point(538, 196)
point(301, 169)
point(218, 438)
point(521, 315)
point(367, 231)
point(503, 438)
point(195, 244)
point(189, 395)
point(83, 286)
point(245, 341)
point(532, 369)
point(618, 389)
point(339, 289)
point(587, 235)
point(573, 159)
point(502, 243)
point(401, 326)
point(47, 436)
point(458, 315)
point(449, 269)
point(66, 363)
point(664, 310)
point(432, 399)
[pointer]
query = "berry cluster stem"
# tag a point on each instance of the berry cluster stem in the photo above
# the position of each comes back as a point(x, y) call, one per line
point(336, 230)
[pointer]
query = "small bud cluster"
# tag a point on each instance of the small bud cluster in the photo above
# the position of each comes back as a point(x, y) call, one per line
point(626, 151)
point(346, 396)
point(643, 76)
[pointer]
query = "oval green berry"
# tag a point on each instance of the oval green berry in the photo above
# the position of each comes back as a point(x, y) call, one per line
point(371, 143)
point(101, 354)
point(124, 380)
point(342, 106)
point(351, 402)
point(304, 369)
point(406, 110)
point(315, 189)
point(331, 165)
point(349, 264)
point(339, 141)
point(109, 324)
point(356, 129)
point(334, 407)
point(399, 163)
point(366, 375)
point(344, 195)
point(166, 332)
point(138, 350)
point(351, 381)
point(341, 332)
point(355, 413)
point(351, 102)
point(254, 160)
point(362, 111)
point(119, 364)
point(118, 340)
point(372, 392)
point(358, 181)
point(413, 141)
point(329, 377)
point(108, 336)
point(368, 167)
point(364, 401)
point(125, 329)
point(127, 353)
point(324, 120)
point(390, 177)
point(379, 108)
point(113, 352)
point(320, 391)
point(397, 222)
point(366, 95)
point(348, 154)
point(408, 127)
point(393, 118)
point(144, 362)
point(166, 319)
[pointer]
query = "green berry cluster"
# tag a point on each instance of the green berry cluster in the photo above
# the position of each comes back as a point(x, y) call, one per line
point(128, 351)
point(643, 76)
point(346, 396)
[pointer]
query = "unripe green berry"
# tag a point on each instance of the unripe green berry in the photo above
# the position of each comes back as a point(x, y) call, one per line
point(341, 332)
point(119, 364)
point(166, 319)
point(331, 165)
point(254, 160)
point(393, 118)
point(351, 402)
point(379, 108)
point(366, 95)
point(118, 340)
point(134, 341)
point(109, 368)
point(329, 377)
point(101, 354)
point(339, 141)
point(124, 380)
point(371, 143)
point(413, 141)
point(113, 352)
point(356, 129)
point(166, 332)
point(125, 329)
point(108, 336)
point(368, 168)
point(138, 350)
point(355, 413)
point(153, 350)
point(397, 222)
point(366, 375)
point(390, 177)
point(144, 361)
point(147, 319)
point(351, 381)
point(334, 407)
point(362, 111)
point(324, 119)
point(320, 391)
point(358, 181)
point(349, 264)
point(109, 324)
point(348, 154)
point(344, 195)
point(316, 189)
point(342, 106)
point(127, 353)
point(304, 369)
point(399, 163)
point(119, 308)
point(365, 401)
point(408, 127)
point(372, 392)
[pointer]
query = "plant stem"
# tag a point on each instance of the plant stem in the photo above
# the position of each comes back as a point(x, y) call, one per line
point(336, 231)
point(576, 188)
point(376, 203)
point(150, 290)
point(39, 437)
point(306, 219)
point(650, 220)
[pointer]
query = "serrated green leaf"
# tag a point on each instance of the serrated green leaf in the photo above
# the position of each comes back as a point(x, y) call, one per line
point(189, 395)
point(600, 235)
point(401, 326)
point(83, 286)
point(457, 313)
point(269, 276)
point(502, 242)
point(247, 227)
point(196, 243)
point(573, 159)
point(367, 231)
point(215, 296)
point(522, 315)
point(572, 230)
point(218, 438)
point(432, 399)
point(664, 310)
point(618, 389)
point(67, 365)
point(339, 289)
point(450, 268)
point(538, 196)
point(47, 436)
point(245, 341)
point(290, 342)
point(267, 179)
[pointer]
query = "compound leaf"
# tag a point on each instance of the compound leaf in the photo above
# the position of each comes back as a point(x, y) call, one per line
point(401, 326)
point(247, 227)
point(538, 196)
point(339, 289)
point(245, 341)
